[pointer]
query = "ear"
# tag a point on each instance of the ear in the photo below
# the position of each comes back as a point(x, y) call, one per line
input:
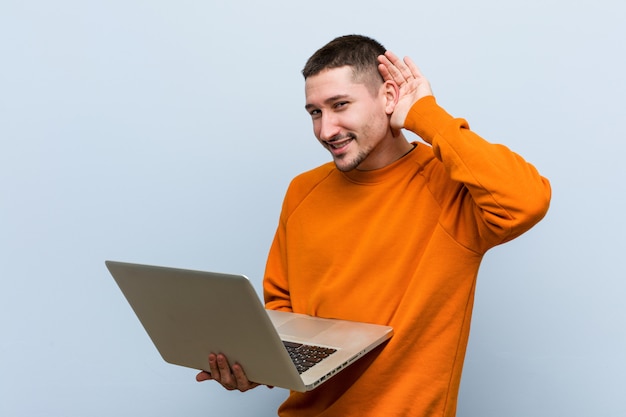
point(391, 94)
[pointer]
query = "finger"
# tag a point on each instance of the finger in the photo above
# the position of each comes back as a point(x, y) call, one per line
point(402, 71)
point(389, 71)
point(414, 69)
point(203, 376)
point(213, 368)
point(243, 384)
point(393, 58)
point(226, 377)
point(382, 68)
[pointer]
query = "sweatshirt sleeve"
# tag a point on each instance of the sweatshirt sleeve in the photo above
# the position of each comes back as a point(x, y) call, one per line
point(276, 289)
point(275, 284)
point(502, 195)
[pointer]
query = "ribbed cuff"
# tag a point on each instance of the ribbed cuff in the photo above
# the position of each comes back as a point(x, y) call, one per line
point(426, 118)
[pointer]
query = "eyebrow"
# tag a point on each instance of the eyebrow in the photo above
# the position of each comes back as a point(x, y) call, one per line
point(328, 100)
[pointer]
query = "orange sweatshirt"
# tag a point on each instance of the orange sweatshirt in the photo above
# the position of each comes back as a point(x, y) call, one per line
point(400, 246)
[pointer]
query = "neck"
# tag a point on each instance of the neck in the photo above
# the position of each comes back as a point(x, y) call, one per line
point(387, 152)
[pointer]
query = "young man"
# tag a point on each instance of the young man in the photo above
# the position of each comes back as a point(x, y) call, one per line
point(391, 232)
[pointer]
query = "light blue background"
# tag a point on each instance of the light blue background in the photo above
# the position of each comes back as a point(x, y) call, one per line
point(166, 132)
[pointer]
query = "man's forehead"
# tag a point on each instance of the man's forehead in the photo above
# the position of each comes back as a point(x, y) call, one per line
point(340, 74)
point(330, 83)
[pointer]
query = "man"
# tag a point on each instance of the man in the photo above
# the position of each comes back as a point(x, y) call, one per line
point(391, 232)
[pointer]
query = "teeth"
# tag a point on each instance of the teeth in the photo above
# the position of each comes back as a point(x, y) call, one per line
point(337, 145)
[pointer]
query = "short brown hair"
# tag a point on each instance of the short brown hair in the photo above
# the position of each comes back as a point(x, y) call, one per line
point(357, 51)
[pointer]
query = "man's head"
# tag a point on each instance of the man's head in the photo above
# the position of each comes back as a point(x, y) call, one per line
point(350, 104)
point(358, 52)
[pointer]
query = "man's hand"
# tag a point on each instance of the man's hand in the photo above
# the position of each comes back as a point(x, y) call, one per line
point(231, 378)
point(412, 84)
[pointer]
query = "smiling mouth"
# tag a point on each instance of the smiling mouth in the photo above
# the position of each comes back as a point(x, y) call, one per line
point(338, 143)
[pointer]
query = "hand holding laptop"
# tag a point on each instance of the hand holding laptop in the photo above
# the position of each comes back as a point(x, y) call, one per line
point(182, 311)
point(231, 378)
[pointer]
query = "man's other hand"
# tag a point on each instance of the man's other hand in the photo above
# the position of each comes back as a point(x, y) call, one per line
point(230, 377)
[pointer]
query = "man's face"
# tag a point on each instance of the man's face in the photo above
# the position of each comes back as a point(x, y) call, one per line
point(348, 119)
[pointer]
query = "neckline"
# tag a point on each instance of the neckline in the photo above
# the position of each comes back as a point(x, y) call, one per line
point(378, 175)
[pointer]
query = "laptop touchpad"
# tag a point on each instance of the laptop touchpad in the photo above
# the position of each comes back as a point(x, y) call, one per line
point(303, 327)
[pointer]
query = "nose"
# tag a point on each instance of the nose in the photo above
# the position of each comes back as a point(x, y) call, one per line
point(327, 127)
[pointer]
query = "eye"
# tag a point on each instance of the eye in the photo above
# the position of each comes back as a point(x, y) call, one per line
point(315, 113)
point(340, 104)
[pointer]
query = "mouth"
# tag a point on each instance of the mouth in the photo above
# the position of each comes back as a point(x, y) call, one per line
point(337, 144)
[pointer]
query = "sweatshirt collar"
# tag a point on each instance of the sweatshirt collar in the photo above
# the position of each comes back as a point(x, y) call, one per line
point(379, 175)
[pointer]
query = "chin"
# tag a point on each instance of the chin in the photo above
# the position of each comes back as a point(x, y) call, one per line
point(344, 168)
point(344, 165)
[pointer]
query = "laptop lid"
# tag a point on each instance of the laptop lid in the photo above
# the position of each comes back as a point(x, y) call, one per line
point(189, 314)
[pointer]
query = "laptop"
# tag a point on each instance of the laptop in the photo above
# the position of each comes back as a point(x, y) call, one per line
point(189, 314)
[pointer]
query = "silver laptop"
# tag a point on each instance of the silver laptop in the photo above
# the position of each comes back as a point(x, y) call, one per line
point(189, 314)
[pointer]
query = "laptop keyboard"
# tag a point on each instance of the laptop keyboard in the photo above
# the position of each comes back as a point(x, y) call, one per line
point(305, 356)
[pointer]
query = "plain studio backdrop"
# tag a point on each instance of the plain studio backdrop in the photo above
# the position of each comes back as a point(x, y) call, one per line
point(167, 132)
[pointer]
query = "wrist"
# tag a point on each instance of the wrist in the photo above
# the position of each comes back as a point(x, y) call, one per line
point(426, 118)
